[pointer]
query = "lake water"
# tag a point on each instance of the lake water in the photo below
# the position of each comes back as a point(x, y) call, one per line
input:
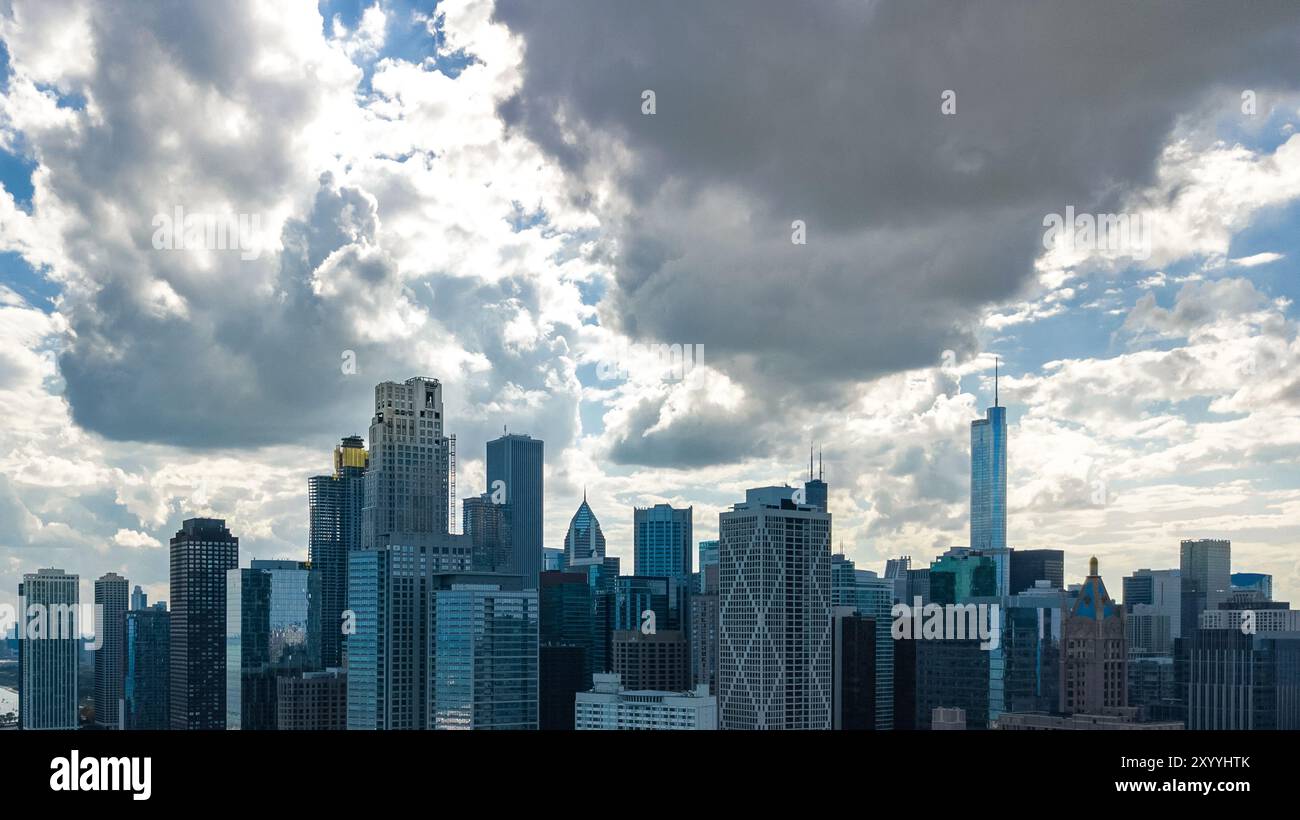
point(8, 700)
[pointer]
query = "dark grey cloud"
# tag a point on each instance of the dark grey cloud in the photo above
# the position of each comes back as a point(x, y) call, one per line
point(830, 112)
point(701, 439)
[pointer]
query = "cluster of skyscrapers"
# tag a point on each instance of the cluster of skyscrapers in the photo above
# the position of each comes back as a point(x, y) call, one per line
point(396, 621)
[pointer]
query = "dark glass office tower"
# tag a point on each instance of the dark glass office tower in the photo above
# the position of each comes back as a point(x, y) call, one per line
point(146, 680)
point(951, 674)
point(202, 551)
point(854, 665)
point(988, 478)
point(490, 529)
point(1238, 681)
point(1205, 578)
point(1030, 566)
point(334, 529)
point(566, 614)
point(905, 684)
point(561, 675)
point(517, 462)
point(111, 594)
point(272, 629)
point(407, 486)
point(634, 596)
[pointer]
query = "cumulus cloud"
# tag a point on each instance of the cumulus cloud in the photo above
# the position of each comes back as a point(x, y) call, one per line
point(496, 211)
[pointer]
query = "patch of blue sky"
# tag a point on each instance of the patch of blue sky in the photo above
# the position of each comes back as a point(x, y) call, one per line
point(1276, 230)
point(592, 416)
point(29, 283)
point(1266, 129)
point(4, 67)
point(410, 34)
point(16, 169)
point(522, 219)
point(73, 100)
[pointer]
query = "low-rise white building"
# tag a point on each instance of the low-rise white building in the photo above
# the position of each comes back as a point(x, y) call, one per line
point(609, 706)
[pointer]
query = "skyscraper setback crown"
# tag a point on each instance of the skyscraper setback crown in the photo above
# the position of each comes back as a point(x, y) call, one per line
point(584, 543)
point(407, 482)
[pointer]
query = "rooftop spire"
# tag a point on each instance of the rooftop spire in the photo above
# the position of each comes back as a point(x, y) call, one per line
point(995, 381)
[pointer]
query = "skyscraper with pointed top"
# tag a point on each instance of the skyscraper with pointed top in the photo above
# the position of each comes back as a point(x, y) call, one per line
point(988, 476)
point(1094, 656)
point(584, 543)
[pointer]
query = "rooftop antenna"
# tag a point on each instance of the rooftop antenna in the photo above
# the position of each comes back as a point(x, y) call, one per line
point(995, 381)
point(810, 449)
point(820, 473)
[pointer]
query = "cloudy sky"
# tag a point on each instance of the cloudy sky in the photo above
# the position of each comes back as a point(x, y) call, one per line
point(484, 193)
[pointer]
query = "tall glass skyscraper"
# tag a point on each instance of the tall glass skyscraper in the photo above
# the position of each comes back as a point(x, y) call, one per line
point(1160, 589)
point(585, 542)
point(272, 629)
point(988, 479)
point(111, 593)
point(662, 538)
point(484, 632)
point(146, 678)
point(47, 653)
point(389, 591)
point(1205, 579)
point(870, 596)
point(202, 551)
point(567, 639)
point(875, 601)
point(334, 529)
point(517, 461)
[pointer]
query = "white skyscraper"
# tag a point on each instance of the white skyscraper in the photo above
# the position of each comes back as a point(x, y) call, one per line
point(407, 481)
point(775, 640)
point(609, 706)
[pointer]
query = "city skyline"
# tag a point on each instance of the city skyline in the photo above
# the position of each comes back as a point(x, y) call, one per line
point(836, 264)
point(979, 447)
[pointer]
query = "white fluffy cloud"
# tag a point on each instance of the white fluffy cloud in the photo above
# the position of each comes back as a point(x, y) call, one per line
point(414, 215)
